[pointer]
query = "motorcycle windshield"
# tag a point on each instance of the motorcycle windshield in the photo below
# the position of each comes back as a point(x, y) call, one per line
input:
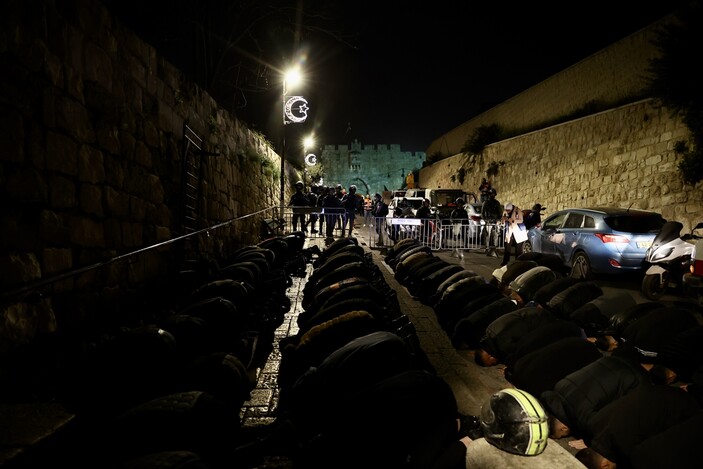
point(669, 231)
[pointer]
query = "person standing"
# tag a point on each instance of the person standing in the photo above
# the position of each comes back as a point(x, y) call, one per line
point(534, 216)
point(401, 211)
point(368, 210)
point(424, 213)
point(490, 213)
point(515, 232)
point(321, 194)
point(312, 202)
point(298, 199)
point(339, 193)
point(484, 190)
point(332, 207)
point(459, 219)
point(380, 210)
point(350, 202)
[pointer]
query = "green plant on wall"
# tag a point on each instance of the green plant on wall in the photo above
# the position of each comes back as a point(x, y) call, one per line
point(316, 174)
point(481, 137)
point(460, 175)
point(676, 83)
point(691, 163)
point(266, 165)
point(212, 124)
point(178, 97)
point(251, 160)
point(493, 168)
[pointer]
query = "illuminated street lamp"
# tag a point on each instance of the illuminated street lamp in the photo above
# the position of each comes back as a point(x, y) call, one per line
point(308, 142)
point(295, 110)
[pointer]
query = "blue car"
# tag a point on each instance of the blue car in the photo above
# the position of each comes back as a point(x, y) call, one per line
point(599, 240)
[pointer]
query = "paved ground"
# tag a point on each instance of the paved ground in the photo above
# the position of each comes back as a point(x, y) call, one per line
point(456, 366)
point(434, 341)
point(471, 383)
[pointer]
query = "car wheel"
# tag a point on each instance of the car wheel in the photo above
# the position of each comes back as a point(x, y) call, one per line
point(527, 247)
point(581, 266)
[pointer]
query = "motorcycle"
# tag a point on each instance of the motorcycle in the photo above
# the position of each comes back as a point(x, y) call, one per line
point(693, 280)
point(668, 258)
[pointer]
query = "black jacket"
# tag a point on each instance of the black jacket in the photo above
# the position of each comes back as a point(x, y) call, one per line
point(298, 199)
point(578, 396)
point(625, 425)
point(532, 219)
point(380, 209)
point(491, 211)
point(503, 335)
point(540, 370)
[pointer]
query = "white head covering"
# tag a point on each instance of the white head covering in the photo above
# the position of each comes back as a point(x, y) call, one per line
point(509, 206)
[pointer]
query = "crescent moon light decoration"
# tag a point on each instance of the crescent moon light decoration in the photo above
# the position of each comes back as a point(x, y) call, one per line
point(296, 109)
point(311, 160)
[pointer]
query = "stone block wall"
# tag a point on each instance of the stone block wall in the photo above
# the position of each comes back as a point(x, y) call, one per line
point(91, 152)
point(611, 76)
point(623, 157)
point(378, 165)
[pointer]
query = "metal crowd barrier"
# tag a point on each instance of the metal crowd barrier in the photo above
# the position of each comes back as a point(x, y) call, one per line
point(314, 221)
point(387, 231)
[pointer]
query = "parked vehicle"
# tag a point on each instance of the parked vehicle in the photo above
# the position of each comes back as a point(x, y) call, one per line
point(413, 204)
point(666, 260)
point(442, 201)
point(396, 230)
point(599, 240)
point(693, 279)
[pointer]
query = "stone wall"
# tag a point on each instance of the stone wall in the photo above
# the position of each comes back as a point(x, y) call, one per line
point(92, 124)
point(623, 157)
point(610, 76)
point(375, 166)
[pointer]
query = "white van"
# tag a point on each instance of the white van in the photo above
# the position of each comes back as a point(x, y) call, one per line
point(442, 201)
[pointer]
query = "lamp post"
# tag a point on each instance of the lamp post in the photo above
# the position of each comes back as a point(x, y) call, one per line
point(308, 142)
point(294, 110)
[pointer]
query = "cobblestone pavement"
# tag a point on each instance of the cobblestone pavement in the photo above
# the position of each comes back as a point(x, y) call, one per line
point(261, 408)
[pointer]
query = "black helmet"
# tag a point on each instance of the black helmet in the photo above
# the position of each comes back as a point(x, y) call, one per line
point(459, 201)
point(494, 192)
point(514, 421)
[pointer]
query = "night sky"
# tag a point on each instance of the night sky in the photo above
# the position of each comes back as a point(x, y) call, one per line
point(415, 70)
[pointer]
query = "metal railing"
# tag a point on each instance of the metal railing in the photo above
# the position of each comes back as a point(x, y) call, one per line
point(387, 231)
point(42, 287)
